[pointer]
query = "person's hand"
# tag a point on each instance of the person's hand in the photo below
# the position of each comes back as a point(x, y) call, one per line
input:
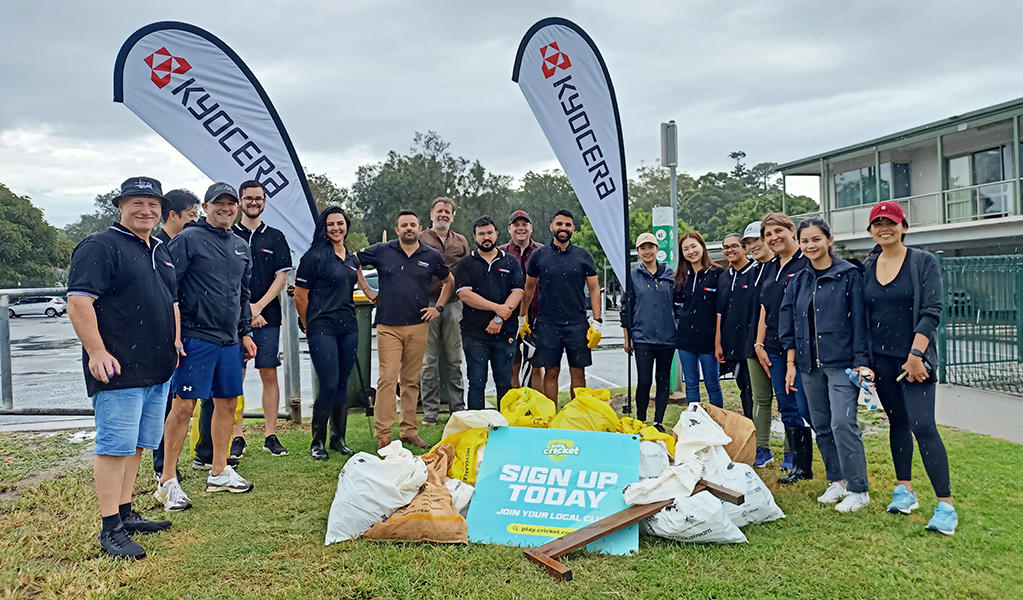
point(765, 362)
point(523, 327)
point(258, 320)
point(915, 369)
point(493, 327)
point(790, 378)
point(593, 334)
point(628, 346)
point(866, 373)
point(250, 347)
point(103, 366)
point(430, 312)
point(179, 349)
point(291, 290)
point(504, 311)
point(719, 353)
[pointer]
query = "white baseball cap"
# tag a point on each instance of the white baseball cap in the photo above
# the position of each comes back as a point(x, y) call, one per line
point(752, 230)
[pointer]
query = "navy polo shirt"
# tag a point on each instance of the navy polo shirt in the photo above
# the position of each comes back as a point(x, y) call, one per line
point(134, 288)
point(404, 280)
point(270, 256)
point(330, 282)
point(561, 276)
point(494, 281)
point(772, 291)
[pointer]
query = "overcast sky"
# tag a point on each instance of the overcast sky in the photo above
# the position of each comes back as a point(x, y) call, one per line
point(780, 80)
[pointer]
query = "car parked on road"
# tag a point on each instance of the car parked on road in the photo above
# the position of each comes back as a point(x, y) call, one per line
point(50, 306)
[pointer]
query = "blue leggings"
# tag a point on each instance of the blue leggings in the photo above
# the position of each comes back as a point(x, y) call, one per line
point(333, 358)
point(692, 364)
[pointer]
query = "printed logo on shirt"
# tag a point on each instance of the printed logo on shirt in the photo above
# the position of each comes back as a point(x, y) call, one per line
point(423, 264)
point(168, 263)
point(501, 270)
point(242, 253)
point(265, 250)
point(707, 289)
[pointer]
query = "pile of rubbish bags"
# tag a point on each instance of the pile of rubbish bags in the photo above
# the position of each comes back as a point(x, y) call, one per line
point(399, 496)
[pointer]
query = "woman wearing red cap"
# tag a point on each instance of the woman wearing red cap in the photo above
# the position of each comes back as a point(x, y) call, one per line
point(900, 283)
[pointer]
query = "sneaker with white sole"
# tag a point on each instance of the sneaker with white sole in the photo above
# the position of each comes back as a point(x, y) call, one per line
point(273, 445)
point(237, 447)
point(228, 481)
point(835, 492)
point(172, 497)
point(853, 502)
point(903, 501)
point(944, 520)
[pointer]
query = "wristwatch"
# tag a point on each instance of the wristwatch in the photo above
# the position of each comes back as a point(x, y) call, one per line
point(440, 308)
point(498, 319)
point(916, 352)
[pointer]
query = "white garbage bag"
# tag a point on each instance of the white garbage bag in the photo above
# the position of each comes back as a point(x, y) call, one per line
point(461, 494)
point(653, 459)
point(473, 419)
point(697, 519)
point(676, 481)
point(370, 489)
point(696, 430)
point(759, 505)
point(713, 459)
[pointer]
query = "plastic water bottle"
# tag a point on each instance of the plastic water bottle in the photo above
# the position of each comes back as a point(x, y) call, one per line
point(868, 397)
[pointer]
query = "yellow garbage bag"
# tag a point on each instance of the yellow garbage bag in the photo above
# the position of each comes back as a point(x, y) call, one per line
point(468, 447)
point(587, 412)
point(526, 407)
point(647, 433)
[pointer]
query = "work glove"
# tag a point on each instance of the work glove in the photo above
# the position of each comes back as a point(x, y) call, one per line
point(593, 334)
point(524, 329)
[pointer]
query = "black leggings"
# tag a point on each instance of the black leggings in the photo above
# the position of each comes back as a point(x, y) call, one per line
point(333, 358)
point(646, 356)
point(910, 410)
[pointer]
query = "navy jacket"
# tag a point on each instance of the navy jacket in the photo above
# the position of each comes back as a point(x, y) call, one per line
point(839, 329)
point(648, 311)
point(696, 307)
point(737, 298)
point(213, 267)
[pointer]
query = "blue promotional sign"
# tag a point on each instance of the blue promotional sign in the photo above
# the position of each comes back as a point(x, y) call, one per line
point(536, 485)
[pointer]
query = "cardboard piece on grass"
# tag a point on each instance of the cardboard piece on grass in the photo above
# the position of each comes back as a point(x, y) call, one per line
point(743, 447)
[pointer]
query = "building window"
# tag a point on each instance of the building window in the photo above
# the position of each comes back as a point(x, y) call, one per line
point(983, 172)
point(857, 187)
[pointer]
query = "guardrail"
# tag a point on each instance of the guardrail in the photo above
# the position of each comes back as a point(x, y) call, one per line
point(6, 381)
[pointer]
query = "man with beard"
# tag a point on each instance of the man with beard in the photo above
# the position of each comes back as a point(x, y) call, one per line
point(406, 269)
point(489, 281)
point(560, 270)
point(444, 345)
point(521, 247)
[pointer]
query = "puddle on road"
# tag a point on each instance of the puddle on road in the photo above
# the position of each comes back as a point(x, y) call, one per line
point(34, 343)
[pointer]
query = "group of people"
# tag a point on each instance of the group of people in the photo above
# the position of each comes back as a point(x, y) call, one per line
point(170, 320)
point(791, 318)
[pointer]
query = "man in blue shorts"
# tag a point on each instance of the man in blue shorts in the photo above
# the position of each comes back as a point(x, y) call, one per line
point(121, 290)
point(213, 267)
point(560, 270)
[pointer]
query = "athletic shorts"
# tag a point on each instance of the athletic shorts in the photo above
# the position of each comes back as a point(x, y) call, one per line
point(267, 340)
point(554, 338)
point(129, 418)
point(208, 371)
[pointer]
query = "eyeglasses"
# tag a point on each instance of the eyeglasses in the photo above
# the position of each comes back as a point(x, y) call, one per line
point(253, 198)
point(731, 247)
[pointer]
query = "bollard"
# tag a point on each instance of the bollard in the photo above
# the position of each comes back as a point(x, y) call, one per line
point(6, 384)
point(289, 340)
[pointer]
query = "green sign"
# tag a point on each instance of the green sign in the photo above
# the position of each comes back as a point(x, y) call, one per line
point(664, 231)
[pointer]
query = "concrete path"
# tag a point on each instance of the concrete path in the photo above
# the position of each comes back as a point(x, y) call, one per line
point(980, 411)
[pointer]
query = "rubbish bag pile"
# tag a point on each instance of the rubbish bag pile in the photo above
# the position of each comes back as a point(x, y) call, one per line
point(400, 496)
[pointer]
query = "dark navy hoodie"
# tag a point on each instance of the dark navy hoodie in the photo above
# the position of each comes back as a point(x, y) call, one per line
point(213, 267)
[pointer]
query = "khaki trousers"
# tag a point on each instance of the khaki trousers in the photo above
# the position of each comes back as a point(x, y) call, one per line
point(400, 350)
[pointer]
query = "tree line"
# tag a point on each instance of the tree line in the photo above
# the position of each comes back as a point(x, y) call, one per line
point(34, 253)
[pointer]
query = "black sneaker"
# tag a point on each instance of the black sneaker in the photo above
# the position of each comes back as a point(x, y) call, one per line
point(116, 543)
point(237, 447)
point(273, 445)
point(201, 465)
point(136, 524)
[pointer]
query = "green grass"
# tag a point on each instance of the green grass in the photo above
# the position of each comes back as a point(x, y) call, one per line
point(269, 543)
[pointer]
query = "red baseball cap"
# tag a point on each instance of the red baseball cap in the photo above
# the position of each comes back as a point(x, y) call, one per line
point(889, 210)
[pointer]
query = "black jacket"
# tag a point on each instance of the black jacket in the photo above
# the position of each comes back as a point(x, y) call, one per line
point(213, 267)
point(838, 334)
point(737, 297)
point(648, 311)
point(928, 294)
point(696, 310)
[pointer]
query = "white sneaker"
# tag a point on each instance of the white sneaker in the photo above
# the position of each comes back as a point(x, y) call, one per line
point(853, 502)
point(172, 497)
point(835, 492)
point(227, 481)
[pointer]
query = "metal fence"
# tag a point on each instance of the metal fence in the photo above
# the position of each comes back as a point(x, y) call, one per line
point(981, 336)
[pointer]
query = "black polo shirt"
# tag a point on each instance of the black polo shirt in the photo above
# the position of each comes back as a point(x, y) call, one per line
point(494, 281)
point(330, 282)
point(404, 280)
point(270, 256)
point(561, 277)
point(736, 301)
point(772, 291)
point(134, 288)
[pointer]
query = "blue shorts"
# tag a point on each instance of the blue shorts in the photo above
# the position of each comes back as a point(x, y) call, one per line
point(208, 371)
point(554, 338)
point(267, 340)
point(128, 419)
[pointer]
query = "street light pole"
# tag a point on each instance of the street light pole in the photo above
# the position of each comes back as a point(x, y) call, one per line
point(669, 158)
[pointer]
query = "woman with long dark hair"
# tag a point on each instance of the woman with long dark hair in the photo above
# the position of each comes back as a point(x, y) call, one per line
point(822, 328)
point(779, 233)
point(326, 277)
point(903, 296)
point(696, 283)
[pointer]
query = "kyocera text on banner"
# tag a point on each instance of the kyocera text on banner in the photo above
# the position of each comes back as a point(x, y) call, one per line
point(194, 91)
point(566, 84)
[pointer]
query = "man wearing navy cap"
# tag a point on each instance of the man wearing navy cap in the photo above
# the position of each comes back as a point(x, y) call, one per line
point(121, 291)
point(213, 268)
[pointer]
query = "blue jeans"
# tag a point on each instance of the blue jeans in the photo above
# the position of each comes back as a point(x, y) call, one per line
point(129, 418)
point(792, 405)
point(333, 358)
point(499, 353)
point(692, 363)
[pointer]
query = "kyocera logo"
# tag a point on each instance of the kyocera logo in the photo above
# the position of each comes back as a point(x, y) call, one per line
point(553, 59)
point(585, 138)
point(162, 64)
point(559, 450)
